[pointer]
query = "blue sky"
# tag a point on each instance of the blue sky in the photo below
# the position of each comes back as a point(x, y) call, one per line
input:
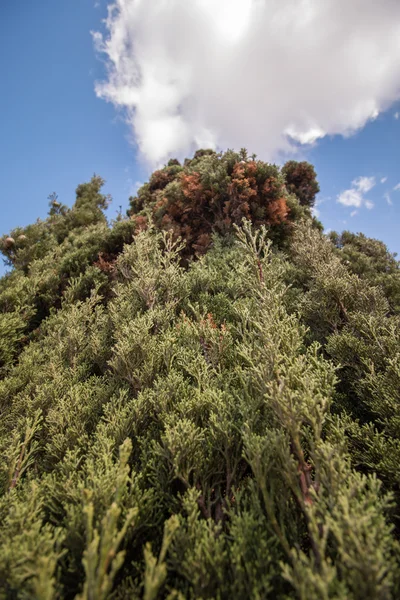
point(55, 132)
point(57, 129)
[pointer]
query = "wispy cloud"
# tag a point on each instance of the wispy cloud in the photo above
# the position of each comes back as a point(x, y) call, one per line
point(397, 187)
point(316, 208)
point(364, 184)
point(233, 73)
point(354, 196)
point(384, 179)
point(132, 186)
point(388, 198)
point(396, 115)
point(353, 213)
point(316, 212)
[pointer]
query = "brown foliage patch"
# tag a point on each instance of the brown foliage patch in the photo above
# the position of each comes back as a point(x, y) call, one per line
point(140, 222)
point(106, 264)
point(160, 179)
point(191, 184)
point(195, 209)
point(277, 211)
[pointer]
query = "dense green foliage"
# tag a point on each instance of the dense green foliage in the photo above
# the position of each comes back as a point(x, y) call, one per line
point(181, 423)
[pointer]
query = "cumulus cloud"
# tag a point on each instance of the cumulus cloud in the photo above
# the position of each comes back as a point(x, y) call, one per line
point(354, 196)
point(265, 74)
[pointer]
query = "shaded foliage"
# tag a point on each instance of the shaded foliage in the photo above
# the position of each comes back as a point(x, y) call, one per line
point(301, 180)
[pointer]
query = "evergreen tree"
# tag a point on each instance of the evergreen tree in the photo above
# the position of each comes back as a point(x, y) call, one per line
point(301, 180)
point(191, 417)
point(371, 260)
point(213, 192)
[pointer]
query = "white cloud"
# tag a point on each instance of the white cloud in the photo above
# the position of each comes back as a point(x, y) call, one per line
point(396, 115)
point(384, 179)
point(364, 184)
point(354, 196)
point(397, 187)
point(353, 213)
point(316, 212)
point(388, 198)
point(133, 187)
point(315, 209)
point(305, 137)
point(350, 197)
point(233, 73)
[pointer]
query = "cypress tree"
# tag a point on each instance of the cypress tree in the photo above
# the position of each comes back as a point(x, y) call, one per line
point(199, 400)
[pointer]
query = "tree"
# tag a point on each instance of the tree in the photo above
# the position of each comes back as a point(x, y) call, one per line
point(371, 261)
point(220, 427)
point(301, 180)
point(210, 194)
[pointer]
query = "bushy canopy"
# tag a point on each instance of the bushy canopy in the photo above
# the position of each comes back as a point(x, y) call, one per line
point(214, 192)
point(301, 180)
point(225, 425)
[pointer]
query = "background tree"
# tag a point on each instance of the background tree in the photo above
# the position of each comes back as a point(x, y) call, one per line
point(301, 180)
point(213, 192)
point(371, 260)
